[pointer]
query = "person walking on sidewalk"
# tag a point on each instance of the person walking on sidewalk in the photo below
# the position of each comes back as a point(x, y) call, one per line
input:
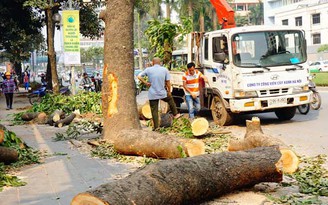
point(159, 89)
point(26, 81)
point(8, 88)
point(191, 80)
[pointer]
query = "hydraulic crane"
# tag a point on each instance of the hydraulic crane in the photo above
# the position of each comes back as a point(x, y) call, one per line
point(225, 13)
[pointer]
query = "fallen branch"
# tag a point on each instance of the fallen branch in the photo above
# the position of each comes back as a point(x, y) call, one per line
point(55, 116)
point(153, 144)
point(66, 121)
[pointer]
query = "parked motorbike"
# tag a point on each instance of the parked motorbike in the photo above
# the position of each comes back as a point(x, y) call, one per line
point(36, 96)
point(315, 103)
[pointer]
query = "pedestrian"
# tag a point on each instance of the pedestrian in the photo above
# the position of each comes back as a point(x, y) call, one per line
point(26, 81)
point(191, 79)
point(8, 88)
point(159, 89)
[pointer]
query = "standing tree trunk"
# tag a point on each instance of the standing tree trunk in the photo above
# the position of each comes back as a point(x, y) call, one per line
point(201, 21)
point(168, 9)
point(51, 52)
point(118, 96)
point(139, 42)
point(214, 20)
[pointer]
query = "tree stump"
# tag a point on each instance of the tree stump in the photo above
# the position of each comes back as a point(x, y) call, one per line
point(8, 155)
point(255, 137)
point(188, 180)
point(153, 144)
point(199, 126)
point(165, 120)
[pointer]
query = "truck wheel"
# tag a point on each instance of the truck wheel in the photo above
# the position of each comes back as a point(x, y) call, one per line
point(285, 113)
point(219, 113)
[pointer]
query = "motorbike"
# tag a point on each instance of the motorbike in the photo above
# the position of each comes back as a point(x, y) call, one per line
point(315, 103)
point(88, 87)
point(36, 96)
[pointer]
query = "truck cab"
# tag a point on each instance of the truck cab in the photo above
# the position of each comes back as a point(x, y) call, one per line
point(250, 69)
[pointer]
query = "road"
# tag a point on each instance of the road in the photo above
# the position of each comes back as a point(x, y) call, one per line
point(306, 133)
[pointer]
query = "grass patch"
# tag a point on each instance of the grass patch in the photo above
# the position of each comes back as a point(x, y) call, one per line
point(321, 78)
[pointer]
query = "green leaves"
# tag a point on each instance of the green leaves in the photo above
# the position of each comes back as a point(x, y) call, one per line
point(83, 101)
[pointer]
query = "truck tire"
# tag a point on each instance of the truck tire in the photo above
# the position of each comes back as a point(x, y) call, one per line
point(286, 113)
point(219, 113)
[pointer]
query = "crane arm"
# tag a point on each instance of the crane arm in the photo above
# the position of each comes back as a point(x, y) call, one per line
point(225, 13)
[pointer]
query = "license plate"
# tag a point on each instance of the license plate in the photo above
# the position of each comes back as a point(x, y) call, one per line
point(277, 101)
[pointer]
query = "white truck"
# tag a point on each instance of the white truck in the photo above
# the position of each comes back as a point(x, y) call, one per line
point(249, 69)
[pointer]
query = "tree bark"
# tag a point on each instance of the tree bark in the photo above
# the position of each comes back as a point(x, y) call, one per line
point(118, 94)
point(66, 121)
point(8, 155)
point(2, 135)
point(41, 118)
point(29, 116)
point(51, 51)
point(153, 144)
point(188, 180)
point(255, 137)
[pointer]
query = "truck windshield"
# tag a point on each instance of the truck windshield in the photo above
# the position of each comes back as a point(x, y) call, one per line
point(268, 48)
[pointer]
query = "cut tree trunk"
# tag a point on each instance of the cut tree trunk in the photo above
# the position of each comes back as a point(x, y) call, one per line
point(41, 118)
point(188, 180)
point(199, 126)
point(29, 116)
point(2, 135)
point(145, 112)
point(66, 121)
point(55, 116)
point(255, 137)
point(8, 155)
point(153, 144)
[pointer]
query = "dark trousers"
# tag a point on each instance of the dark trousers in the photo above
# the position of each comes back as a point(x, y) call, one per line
point(9, 99)
point(154, 109)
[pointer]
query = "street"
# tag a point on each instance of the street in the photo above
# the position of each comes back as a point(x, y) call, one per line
point(306, 133)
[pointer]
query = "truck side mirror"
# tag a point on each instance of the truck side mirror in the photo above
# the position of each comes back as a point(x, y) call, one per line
point(219, 57)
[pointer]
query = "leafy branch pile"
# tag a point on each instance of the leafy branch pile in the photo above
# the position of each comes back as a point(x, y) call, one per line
point(312, 181)
point(75, 130)
point(180, 127)
point(83, 101)
point(26, 155)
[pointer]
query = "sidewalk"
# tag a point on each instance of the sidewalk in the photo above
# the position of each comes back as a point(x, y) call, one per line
point(60, 177)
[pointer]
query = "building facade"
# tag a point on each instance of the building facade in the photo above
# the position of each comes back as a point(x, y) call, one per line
point(309, 15)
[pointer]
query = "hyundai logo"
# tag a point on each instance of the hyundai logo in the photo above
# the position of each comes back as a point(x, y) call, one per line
point(274, 77)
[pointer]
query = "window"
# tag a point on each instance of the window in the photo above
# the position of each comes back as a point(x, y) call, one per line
point(206, 48)
point(240, 7)
point(285, 22)
point(298, 21)
point(315, 18)
point(316, 38)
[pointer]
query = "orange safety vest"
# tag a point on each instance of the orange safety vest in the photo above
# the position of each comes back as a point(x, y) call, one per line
point(192, 82)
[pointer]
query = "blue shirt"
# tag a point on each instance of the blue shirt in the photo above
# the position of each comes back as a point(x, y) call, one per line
point(157, 75)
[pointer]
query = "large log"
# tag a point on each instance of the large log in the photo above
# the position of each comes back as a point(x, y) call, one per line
point(8, 155)
point(188, 180)
point(144, 111)
point(153, 144)
point(255, 137)
point(66, 121)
